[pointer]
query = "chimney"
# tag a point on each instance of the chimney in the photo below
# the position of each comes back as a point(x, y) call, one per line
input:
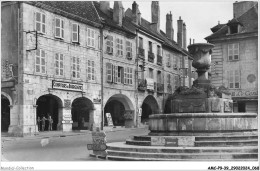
point(241, 7)
point(136, 15)
point(184, 36)
point(105, 7)
point(169, 28)
point(118, 12)
point(156, 14)
point(180, 32)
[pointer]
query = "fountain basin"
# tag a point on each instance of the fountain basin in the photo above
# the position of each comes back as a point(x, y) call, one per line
point(201, 123)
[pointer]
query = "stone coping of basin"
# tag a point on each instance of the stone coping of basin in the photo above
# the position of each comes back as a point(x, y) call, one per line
point(203, 115)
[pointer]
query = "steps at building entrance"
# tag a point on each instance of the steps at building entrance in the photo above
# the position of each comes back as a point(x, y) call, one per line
point(224, 147)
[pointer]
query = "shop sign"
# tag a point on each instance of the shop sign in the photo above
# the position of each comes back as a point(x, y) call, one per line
point(67, 86)
point(244, 93)
point(109, 119)
point(150, 84)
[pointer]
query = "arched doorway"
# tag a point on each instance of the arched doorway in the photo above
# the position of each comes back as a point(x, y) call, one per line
point(149, 106)
point(5, 113)
point(49, 105)
point(81, 111)
point(117, 105)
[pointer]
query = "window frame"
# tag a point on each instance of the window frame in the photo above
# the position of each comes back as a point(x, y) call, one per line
point(151, 74)
point(119, 47)
point(42, 24)
point(40, 60)
point(234, 77)
point(129, 49)
point(91, 37)
point(77, 67)
point(61, 28)
point(110, 45)
point(59, 63)
point(233, 49)
point(75, 32)
point(90, 70)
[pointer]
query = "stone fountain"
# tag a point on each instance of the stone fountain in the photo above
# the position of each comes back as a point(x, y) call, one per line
point(200, 116)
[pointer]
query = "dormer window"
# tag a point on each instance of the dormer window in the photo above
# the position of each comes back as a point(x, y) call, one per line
point(234, 26)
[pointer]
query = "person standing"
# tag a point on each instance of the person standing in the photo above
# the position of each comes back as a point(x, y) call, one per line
point(39, 123)
point(50, 123)
point(43, 123)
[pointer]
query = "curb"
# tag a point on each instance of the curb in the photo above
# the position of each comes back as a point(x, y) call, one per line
point(63, 135)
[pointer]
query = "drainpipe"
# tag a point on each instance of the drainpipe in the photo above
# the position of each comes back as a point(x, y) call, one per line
point(102, 83)
point(136, 80)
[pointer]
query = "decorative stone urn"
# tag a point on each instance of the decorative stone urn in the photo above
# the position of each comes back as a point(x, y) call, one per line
point(202, 59)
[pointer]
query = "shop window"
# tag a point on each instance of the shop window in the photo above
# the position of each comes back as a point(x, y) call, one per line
point(241, 106)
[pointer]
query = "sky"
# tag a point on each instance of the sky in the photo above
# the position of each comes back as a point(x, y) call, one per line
point(198, 15)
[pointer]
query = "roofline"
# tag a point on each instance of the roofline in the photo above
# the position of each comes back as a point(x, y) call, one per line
point(63, 13)
point(234, 36)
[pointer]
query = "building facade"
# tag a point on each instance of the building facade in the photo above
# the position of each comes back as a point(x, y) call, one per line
point(58, 61)
point(86, 65)
point(235, 56)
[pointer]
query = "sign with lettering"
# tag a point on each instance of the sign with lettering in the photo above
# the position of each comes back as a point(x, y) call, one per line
point(67, 86)
point(109, 119)
point(150, 84)
point(244, 93)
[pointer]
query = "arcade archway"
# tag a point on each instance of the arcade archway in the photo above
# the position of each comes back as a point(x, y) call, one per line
point(149, 106)
point(81, 111)
point(49, 105)
point(5, 113)
point(117, 105)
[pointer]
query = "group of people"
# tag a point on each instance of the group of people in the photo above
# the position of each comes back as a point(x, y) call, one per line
point(42, 123)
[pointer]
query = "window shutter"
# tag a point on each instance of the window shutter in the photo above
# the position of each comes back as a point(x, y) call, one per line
point(115, 72)
point(78, 33)
point(62, 28)
point(109, 72)
point(122, 75)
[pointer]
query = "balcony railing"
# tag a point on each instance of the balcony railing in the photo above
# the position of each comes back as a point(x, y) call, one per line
point(169, 89)
point(142, 85)
point(141, 52)
point(150, 56)
point(159, 60)
point(160, 88)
